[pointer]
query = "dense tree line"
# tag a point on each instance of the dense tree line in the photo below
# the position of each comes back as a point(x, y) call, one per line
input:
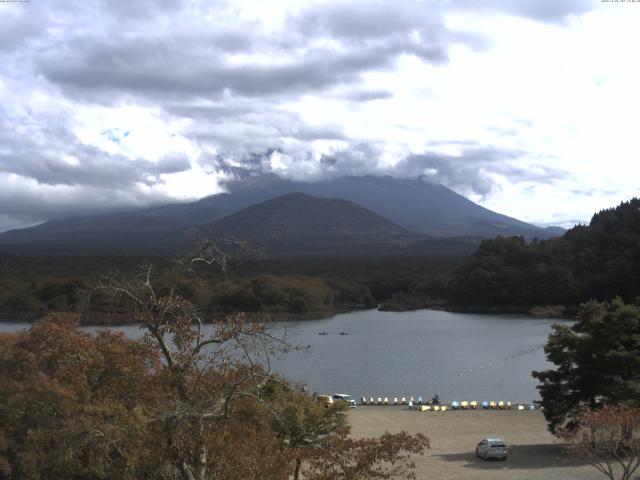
point(30, 287)
point(598, 261)
point(290, 294)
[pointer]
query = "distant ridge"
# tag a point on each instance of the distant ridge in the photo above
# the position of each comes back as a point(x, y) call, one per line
point(410, 205)
point(415, 205)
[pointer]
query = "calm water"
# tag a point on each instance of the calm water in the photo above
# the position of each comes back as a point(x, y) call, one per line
point(458, 356)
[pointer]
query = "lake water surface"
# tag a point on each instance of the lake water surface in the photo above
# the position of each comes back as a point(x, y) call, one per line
point(419, 353)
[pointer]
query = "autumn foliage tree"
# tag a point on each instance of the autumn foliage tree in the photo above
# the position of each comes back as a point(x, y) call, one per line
point(209, 374)
point(75, 406)
point(186, 401)
point(387, 457)
point(302, 423)
point(610, 439)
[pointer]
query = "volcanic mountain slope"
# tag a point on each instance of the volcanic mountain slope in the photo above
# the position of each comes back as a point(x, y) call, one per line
point(414, 205)
point(299, 224)
point(300, 215)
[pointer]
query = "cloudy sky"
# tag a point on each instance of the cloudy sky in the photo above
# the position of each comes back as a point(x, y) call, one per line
point(529, 107)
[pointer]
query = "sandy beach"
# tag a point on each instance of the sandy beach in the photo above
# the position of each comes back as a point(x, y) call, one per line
point(534, 454)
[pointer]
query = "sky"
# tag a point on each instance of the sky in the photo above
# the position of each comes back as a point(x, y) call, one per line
point(527, 107)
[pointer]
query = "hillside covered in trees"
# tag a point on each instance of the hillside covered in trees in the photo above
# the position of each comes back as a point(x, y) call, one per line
point(596, 261)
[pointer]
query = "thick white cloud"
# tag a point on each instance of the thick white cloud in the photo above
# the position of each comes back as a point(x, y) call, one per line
point(527, 107)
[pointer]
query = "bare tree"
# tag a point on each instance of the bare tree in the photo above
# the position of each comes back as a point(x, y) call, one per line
point(205, 368)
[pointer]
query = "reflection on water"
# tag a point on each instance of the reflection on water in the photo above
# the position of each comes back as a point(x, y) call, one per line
point(420, 353)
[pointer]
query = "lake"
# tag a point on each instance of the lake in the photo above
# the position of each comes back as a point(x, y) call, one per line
point(419, 353)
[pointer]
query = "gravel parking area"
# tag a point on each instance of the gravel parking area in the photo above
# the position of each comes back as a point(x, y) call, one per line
point(534, 454)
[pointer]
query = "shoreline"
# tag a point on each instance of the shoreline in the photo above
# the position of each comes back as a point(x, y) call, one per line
point(566, 312)
point(98, 320)
point(105, 320)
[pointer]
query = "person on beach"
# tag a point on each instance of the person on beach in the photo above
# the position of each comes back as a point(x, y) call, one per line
point(411, 405)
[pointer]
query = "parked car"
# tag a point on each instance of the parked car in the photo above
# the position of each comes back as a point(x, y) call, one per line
point(342, 397)
point(492, 448)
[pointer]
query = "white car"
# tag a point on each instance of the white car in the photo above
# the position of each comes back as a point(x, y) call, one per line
point(492, 448)
point(342, 397)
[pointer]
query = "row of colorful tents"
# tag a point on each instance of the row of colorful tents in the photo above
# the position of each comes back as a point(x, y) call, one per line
point(454, 405)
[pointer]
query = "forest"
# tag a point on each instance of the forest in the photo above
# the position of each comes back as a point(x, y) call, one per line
point(596, 261)
point(31, 286)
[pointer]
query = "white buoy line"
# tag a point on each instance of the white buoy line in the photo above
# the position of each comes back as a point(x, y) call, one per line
point(513, 356)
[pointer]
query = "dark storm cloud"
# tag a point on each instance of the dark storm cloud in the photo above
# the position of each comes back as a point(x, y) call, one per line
point(149, 68)
point(93, 168)
point(357, 159)
point(245, 127)
point(52, 155)
point(473, 171)
point(194, 61)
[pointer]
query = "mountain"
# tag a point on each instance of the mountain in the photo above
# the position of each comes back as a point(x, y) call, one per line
point(414, 205)
point(130, 232)
point(296, 224)
point(300, 215)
